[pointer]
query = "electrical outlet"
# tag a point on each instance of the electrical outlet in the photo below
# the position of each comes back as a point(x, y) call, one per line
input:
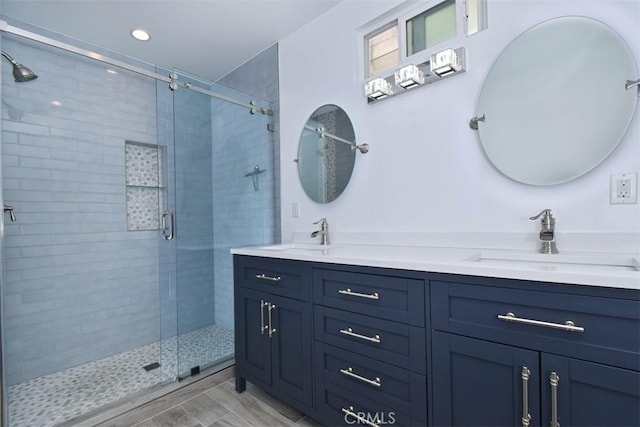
point(623, 189)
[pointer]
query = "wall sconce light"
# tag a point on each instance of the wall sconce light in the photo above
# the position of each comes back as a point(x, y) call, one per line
point(445, 63)
point(437, 67)
point(409, 77)
point(378, 88)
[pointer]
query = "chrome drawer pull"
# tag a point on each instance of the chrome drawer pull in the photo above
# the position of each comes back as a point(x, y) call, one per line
point(526, 416)
point(349, 332)
point(262, 325)
point(567, 326)
point(269, 278)
point(554, 381)
point(349, 372)
point(270, 307)
point(357, 294)
point(360, 418)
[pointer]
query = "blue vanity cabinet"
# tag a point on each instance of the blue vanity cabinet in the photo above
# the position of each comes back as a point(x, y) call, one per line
point(273, 327)
point(502, 349)
point(370, 345)
point(252, 344)
point(376, 346)
point(482, 383)
point(590, 394)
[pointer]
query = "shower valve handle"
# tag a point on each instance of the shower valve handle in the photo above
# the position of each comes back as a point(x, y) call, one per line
point(9, 209)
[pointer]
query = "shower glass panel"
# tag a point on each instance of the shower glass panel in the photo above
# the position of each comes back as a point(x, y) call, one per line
point(81, 261)
point(217, 143)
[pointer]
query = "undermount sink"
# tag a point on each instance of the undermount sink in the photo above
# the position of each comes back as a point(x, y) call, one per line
point(296, 247)
point(558, 262)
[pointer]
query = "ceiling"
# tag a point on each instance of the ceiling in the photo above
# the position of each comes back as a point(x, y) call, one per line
point(206, 38)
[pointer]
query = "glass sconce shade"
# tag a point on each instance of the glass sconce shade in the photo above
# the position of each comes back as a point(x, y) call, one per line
point(445, 63)
point(409, 76)
point(378, 88)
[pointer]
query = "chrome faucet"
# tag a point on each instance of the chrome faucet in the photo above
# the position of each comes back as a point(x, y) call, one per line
point(547, 233)
point(323, 232)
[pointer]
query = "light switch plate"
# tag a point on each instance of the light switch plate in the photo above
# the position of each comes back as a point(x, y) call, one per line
point(295, 210)
point(623, 189)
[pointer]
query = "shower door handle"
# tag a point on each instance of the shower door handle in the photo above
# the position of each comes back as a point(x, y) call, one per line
point(172, 223)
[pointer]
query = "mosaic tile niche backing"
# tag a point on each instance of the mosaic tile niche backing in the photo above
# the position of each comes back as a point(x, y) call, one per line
point(144, 166)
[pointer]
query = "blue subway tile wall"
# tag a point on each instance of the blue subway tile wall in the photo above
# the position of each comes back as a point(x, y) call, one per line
point(244, 216)
point(242, 205)
point(259, 77)
point(216, 145)
point(77, 285)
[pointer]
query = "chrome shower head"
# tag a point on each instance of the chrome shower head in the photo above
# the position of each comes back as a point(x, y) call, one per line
point(20, 72)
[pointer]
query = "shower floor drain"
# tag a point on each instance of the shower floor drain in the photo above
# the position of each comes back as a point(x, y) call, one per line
point(151, 366)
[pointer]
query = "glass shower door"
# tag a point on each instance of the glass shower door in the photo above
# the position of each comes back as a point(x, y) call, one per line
point(80, 165)
point(223, 198)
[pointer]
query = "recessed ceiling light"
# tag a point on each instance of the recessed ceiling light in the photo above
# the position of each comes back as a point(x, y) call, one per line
point(111, 71)
point(140, 34)
point(56, 103)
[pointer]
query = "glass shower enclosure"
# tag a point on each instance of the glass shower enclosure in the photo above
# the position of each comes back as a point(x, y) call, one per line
point(127, 196)
point(220, 203)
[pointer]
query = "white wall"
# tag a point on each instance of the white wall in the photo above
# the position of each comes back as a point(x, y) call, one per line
point(426, 170)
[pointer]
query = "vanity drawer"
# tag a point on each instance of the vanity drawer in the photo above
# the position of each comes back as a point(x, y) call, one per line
point(610, 327)
point(388, 297)
point(378, 381)
point(340, 407)
point(279, 277)
point(395, 343)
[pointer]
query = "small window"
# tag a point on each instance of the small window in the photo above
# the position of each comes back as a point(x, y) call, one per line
point(431, 27)
point(476, 16)
point(418, 31)
point(383, 50)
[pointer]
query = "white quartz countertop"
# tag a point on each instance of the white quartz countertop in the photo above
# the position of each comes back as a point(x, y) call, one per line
point(582, 268)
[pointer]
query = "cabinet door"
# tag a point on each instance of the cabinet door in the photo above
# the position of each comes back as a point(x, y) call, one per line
point(589, 394)
point(253, 346)
point(480, 383)
point(291, 346)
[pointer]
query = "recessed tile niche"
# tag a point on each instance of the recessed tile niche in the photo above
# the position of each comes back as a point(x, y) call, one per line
point(145, 178)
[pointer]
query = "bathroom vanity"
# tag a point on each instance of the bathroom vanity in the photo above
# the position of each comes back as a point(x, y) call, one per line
point(447, 336)
point(431, 336)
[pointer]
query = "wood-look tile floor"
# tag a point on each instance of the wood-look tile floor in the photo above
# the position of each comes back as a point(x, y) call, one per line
point(211, 402)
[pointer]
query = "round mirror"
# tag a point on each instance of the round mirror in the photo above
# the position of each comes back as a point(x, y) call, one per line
point(555, 102)
point(325, 154)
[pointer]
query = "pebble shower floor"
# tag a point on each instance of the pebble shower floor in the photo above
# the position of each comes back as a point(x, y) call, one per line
point(61, 396)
